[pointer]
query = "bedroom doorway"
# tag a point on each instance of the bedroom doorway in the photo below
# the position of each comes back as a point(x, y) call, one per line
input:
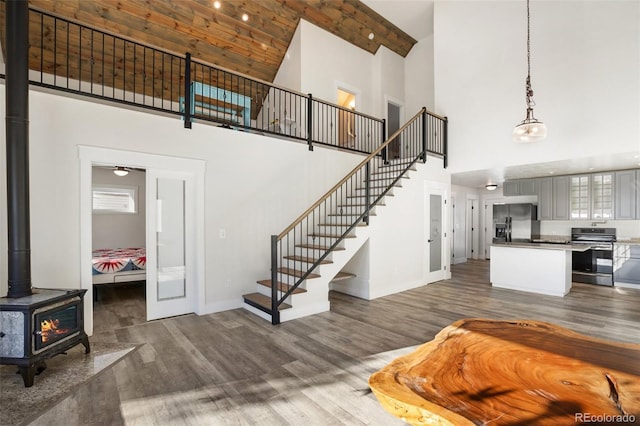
point(173, 223)
point(118, 237)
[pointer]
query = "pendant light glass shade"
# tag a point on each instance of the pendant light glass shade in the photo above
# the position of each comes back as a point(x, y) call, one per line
point(530, 129)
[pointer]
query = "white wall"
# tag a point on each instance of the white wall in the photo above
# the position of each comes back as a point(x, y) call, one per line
point(398, 248)
point(255, 186)
point(117, 230)
point(585, 74)
point(391, 83)
point(289, 74)
point(419, 81)
point(327, 59)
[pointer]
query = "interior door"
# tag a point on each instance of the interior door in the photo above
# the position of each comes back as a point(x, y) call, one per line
point(436, 236)
point(393, 124)
point(170, 242)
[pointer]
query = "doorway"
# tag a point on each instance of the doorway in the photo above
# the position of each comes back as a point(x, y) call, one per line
point(118, 246)
point(346, 118)
point(174, 220)
point(393, 124)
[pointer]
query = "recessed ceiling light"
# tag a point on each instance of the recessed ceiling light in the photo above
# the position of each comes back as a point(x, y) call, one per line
point(371, 36)
point(551, 172)
point(491, 186)
point(216, 4)
point(245, 17)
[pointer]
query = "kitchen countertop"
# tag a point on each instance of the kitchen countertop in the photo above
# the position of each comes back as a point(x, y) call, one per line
point(546, 246)
point(633, 241)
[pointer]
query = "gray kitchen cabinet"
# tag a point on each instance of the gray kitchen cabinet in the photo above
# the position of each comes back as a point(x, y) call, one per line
point(520, 187)
point(579, 197)
point(510, 188)
point(561, 188)
point(545, 198)
point(626, 194)
point(602, 196)
point(626, 263)
point(528, 186)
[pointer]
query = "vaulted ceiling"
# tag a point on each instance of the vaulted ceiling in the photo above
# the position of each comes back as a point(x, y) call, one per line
point(220, 36)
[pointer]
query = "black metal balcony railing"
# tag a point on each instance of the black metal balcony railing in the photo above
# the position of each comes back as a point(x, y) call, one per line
point(71, 57)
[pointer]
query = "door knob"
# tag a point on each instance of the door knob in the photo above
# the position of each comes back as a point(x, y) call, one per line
point(429, 241)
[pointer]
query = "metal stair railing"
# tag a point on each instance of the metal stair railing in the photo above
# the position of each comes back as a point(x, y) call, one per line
point(302, 246)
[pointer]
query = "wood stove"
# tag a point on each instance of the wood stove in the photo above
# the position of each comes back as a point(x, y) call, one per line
point(40, 326)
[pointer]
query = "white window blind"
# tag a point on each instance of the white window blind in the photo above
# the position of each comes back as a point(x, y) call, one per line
point(115, 199)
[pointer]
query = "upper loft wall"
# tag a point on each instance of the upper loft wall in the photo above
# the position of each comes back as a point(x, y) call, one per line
point(419, 84)
point(289, 74)
point(328, 62)
point(586, 79)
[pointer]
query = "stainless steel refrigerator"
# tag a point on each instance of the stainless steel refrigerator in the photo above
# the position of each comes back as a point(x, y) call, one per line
point(515, 222)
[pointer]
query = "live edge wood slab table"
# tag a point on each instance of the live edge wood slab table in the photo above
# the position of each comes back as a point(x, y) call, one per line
point(481, 371)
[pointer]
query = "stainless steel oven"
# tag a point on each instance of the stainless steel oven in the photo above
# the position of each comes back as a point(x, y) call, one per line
point(595, 264)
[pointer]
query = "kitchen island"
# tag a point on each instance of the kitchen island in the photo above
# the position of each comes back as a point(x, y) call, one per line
point(533, 267)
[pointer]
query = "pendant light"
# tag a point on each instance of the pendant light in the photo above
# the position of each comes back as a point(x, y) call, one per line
point(530, 129)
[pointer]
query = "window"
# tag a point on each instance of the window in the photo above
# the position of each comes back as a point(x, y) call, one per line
point(115, 199)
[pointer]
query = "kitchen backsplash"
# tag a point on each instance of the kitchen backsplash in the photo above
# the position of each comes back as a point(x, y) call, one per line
point(624, 228)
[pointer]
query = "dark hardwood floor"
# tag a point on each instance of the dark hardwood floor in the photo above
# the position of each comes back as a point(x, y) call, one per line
point(233, 368)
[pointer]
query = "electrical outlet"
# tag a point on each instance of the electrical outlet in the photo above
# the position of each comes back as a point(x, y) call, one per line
point(223, 233)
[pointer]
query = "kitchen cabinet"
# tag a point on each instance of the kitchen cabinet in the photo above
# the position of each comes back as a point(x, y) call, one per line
point(626, 264)
point(627, 184)
point(561, 187)
point(602, 196)
point(545, 198)
point(579, 197)
point(520, 187)
point(637, 189)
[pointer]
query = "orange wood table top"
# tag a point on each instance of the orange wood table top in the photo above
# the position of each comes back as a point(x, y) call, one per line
point(481, 371)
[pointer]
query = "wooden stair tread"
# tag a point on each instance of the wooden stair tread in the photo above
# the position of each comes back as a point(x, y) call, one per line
point(262, 300)
point(388, 194)
point(296, 273)
point(349, 214)
point(321, 235)
point(283, 287)
point(381, 179)
point(343, 276)
point(359, 205)
point(343, 225)
point(318, 247)
point(396, 185)
point(306, 260)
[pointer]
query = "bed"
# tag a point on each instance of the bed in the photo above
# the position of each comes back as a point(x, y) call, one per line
point(111, 266)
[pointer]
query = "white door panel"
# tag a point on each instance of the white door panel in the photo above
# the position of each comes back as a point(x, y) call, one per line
point(170, 244)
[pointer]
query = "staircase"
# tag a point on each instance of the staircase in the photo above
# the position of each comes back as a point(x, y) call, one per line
point(311, 253)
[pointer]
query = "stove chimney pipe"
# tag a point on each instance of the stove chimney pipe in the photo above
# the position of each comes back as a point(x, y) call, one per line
point(17, 135)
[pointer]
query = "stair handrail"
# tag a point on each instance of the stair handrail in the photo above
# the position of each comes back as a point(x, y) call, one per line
point(377, 151)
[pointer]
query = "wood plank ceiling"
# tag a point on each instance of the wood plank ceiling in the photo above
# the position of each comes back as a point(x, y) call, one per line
point(220, 37)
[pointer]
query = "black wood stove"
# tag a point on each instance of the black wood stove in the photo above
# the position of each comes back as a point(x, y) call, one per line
point(40, 326)
point(34, 325)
